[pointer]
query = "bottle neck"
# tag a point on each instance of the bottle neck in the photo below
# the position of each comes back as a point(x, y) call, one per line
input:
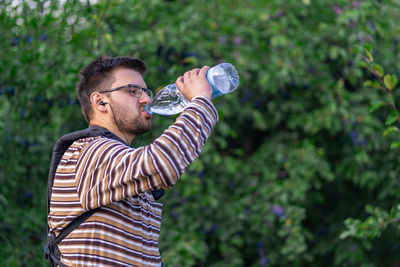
point(210, 80)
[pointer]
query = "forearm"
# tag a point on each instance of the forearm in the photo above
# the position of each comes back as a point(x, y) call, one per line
point(183, 141)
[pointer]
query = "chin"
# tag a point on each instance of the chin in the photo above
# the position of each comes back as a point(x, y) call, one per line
point(141, 130)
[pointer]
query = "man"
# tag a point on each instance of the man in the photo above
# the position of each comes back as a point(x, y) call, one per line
point(102, 174)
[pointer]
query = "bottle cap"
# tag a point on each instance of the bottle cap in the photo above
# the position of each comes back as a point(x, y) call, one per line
point(210, 80)
point(147, 108)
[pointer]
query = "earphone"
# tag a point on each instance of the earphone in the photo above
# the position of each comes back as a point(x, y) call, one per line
point(103, 103)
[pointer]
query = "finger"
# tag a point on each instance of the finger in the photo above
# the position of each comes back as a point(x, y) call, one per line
point(195, 71)
point(203, 70)
point(179, 80)
point(186, 76)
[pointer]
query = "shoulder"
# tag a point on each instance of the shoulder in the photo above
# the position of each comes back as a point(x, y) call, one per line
point(99, 145)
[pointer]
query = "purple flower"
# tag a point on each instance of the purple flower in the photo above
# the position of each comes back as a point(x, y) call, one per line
point(263, 261)
point(221, 39)
point(278, 210)
point(28, 39)
point(11, 91)
point(201, 174)
point(363, 142)
point(174, 214)
point(28, 194)
point(22, 113)
point(260, 248)
point(213, 228)
point(49, 102)
point(338, 10)
point(237, 40)
point(357, 140)
point(181, 200)
point(248, 95)
point(43, 37)
point(260, 245)
point(355, 4)
point(371, 25)
point(14, 41)
point(161, 69)
point(353, 135)
point(70, 101)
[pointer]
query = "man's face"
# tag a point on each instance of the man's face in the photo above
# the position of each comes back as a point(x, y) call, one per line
point(128, 110)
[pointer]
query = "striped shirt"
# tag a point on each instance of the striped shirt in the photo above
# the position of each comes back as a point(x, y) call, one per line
point(102, 172)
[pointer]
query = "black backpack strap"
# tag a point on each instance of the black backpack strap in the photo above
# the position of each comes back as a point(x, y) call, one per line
point(51, 250)
point(75, 223)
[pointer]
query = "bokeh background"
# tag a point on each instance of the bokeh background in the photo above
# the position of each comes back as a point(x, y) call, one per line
point(298, 172)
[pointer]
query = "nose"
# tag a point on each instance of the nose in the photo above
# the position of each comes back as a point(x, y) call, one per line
point(145, 98)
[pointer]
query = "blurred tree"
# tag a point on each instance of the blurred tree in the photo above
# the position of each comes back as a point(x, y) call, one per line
point(296, 151)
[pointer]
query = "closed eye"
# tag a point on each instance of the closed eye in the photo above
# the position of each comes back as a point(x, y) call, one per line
point(134, 91)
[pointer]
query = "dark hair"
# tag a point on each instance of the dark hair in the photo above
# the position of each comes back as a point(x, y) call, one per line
point(98, 75)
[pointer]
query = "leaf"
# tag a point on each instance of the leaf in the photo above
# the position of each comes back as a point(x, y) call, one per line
point(390, 130)
point(395, 145)
point(368, 47)
point(391, 118)
point(370, 57)
point(390, 81)
point(370, 209)
point(372, 84)
point(192, 60)
point(378, 69)
point(375, 104)
point(364, 64)
point(3, 200)
point(394, 81)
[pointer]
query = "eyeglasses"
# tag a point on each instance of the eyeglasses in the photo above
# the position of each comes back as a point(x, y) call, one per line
point(133, 89)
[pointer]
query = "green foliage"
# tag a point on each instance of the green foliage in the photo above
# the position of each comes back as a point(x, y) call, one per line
point(378, 219)
point(386, 84)
point(372, 227)
point(302, 147)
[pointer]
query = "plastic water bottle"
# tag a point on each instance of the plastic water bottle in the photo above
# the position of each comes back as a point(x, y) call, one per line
point(223, 79)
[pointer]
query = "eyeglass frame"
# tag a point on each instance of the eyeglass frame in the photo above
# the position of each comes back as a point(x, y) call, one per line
point(131, 85)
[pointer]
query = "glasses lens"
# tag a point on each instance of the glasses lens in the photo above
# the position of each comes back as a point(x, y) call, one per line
point(148, 92)
point(134, 91)
point(137, 91)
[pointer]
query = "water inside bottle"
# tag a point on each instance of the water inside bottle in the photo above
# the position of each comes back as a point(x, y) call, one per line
point(225, 78)
point(168, 101)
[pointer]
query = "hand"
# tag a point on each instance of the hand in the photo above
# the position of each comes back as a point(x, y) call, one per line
point(194, 83)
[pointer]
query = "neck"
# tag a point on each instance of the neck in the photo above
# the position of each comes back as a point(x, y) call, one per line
point(128, 138)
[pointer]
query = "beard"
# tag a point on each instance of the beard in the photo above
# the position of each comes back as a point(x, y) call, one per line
point(132, 126)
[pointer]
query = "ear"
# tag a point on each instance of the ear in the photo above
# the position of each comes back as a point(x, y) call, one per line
point(97, 100)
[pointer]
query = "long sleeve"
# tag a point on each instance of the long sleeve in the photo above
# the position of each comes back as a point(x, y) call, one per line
point(108, 171)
